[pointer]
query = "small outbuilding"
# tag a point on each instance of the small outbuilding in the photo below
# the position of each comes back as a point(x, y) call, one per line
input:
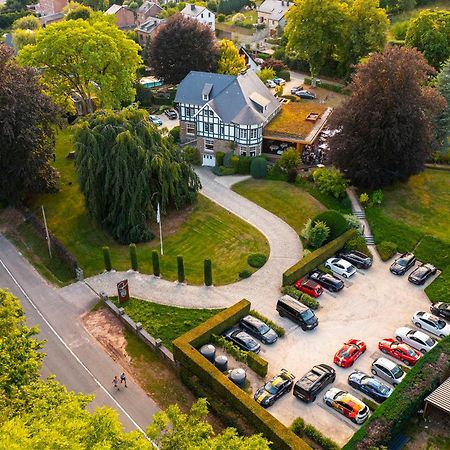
point(439, 398)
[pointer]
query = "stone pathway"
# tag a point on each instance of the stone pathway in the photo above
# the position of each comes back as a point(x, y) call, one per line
point(358, 211)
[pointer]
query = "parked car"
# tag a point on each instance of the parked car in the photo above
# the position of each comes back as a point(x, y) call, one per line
point(417, 339)
point(309, 287)
point(270, 84)
point(313, 382)
point(341, 267)
point(171, 114)
point(441, 310)
point(242, 339)
point(307, 95)
point(327, 280)
point(399, 350)
point(358, 259)
point(297, 312)
point(422, 273)
point(347, 404)
point(349, 353)
point(296, 88)
point(388, 370)
point(155, 120)
point(370, 386)
point(258, 329)
point(276, 387)
point(279, 81)
point(401, 265)
point(431, 323)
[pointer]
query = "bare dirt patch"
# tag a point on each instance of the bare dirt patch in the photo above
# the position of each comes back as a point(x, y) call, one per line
point(10, 219)
point(431, 433)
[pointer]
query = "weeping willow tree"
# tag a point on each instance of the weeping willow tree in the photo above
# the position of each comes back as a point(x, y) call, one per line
point(125, 167)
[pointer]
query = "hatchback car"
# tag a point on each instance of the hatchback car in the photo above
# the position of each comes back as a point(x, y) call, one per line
point(422, 273)
point(279, 81)
point(309, 287)
point(327, 280)
point(313, 382)
point(399, 350)
point(341, 267)
point(349, 353)
point(388, 370)
point(171, 114)
point(155, 120)
point(270, 84)
point(347, 404)
point(258, 329)
point(401, 265)
point(358, 259)
point(431, 323)
point(307, 95)
point(441, 310)
point(242, 339)
point(275, 388)
point(417, 339)
point(370, 386)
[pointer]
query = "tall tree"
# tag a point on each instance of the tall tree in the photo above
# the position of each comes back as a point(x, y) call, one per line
point(24, 31)
point(429, 32)
point(230, 61)
point(27, 23)
point(386, 126)
point(27, 132)
point(443, 120)
point(125, 166)
point(180, 45)
point(91, 58)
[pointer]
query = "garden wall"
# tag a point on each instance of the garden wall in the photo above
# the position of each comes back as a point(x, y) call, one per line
point(191, 362)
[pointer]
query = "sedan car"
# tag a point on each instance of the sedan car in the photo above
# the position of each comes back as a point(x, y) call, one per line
point(441, 310)
point(399, 350)
point(431, 323)
point(341, 267)
point(155, 120)
point(349, 353)
point(274, 388)
point(171, 114)
point(279, 81)
point(296, 88)
point(417, 339)
point(388, 370)
point(270, 84)
point(347, 404)
point(370, 386)
point(401, 265)
point(309, 287)
point(327, 280)
point(358, 259)
point(422, 273)
point(243, 340)
point(307, 95)
point(258, 329)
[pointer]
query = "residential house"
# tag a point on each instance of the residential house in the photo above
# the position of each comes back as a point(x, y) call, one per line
point(224, 112)
point(147, 29)
point(250, 61)
point(125, 17)
point(200, 13)
point(147, 10)
point(272, 14)
point(50, 11)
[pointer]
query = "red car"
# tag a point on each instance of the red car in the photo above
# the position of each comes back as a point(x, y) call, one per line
point(399, 350)
point(349, 353)
point(309, 287)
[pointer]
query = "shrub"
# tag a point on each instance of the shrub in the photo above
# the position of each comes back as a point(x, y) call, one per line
point(364, 198)
point(399, 29)
point(279, 330)
point(257, 260)
point(292, 175)
point(386, 250)
point(335, 221)
point(107, 258)
point(275, 173)
point(359, 244)
point(245, 274)
point(222, 171)
point(192, 155)
point(175, 133)
point(207, 269)
point(292, 291)
point(227, 159)
point(133, 257)
point(377, 197)
point(180, 267)
point(306, 231)
point(329, 86)
point(330, 181)
point(300, 428)
point(285, 74)
point(232, 349)
point(258, 167)
point(353, 222)
point(221, 18)
point(219, 158)
point(244, 165)
point(370, 403)
point(239, 17)
point(309, 301)
point(235, 162)
point(266, 74)
point(257, 364)
point(155, 263)
point(318, 234)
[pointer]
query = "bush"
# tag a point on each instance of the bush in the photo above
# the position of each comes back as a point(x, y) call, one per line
point(353, 222)
point(275, 173)
point(301, 429)
point(441, 157)
point(377, 197)
point(292, 175)
point(222, 171)
point(309, 301)
point(298, 426)
point(192, 155)
point(257, 260)
point(335, 221)
point(227, 159)
point(279, 330)
point(219, 158)
point(107, 259)
point(221, 18)
point(285, 74)
point(245, 274)
point(370, 403)
point(330, 181)
point(244, 165)
point(364, 199)
point(318, 234)
point(175, 133)
point(155, 263)
point(7, 19)
point(207, 270)
point(399, 29)
point(133, 257)
point(386, 250)
point(257, 364)
point(359, 244)
point(258, 167)
point(232, 349)
point(266, 74)
point(239, 17)
point(180, 267)
point(235, 163)
point(292, 291)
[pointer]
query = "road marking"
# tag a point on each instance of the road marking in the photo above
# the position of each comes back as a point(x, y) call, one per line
point(100, 385)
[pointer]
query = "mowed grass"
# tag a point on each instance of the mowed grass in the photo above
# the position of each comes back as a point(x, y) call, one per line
point(205, 230)
point(287, 201)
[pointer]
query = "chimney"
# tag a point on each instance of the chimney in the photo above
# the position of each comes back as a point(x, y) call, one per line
point(193, 6)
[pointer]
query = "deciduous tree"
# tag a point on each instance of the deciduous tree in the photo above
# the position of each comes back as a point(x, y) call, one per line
point(386, 126)
point(443, 120)
point(27, 23)
point(180, 45)
point(230, 61)
point(266, 74)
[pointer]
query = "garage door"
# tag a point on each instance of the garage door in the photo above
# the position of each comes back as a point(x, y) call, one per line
point(209, 160)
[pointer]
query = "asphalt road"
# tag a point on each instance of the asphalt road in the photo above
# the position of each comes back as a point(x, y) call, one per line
point(72, 354)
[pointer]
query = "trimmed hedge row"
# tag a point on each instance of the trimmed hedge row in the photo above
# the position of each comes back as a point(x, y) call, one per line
point(191, 362)
point(257, 364)
point(300, 428)
point(315, 258)
point(328, 86)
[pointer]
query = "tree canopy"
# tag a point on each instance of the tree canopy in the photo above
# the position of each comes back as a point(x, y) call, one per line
point(230, 61)
point(429, 32)
point(125, 166)
point(27, 23)
point(27, 132)
point(443, 120)
point(89, 58)
point(386, 126)
point(180, 45)
point(75, 10)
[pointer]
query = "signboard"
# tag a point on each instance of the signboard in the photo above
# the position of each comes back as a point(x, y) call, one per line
point(123, 291)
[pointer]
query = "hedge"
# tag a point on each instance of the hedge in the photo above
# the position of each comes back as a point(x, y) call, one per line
point(155, 263)
point(256, 260)
point(300, 428)
point(133, 257)
point(107, 258)
point(386, 250)
point(327, 86)
point(335, 221)
point(257, 364)
point(191, 362)
point(315, 258)
point(279, 330)
point(245, 273)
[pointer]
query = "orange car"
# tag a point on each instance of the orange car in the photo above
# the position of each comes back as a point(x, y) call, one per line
point(347, 405)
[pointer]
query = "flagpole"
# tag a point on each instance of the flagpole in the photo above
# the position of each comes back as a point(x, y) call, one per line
point(158, 218)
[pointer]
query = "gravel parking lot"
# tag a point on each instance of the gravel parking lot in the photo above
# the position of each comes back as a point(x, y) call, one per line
point(373, 304)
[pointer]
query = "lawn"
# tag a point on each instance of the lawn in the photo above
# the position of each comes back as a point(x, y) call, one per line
point(204, 230)
point(289, 202)
point(434, 4)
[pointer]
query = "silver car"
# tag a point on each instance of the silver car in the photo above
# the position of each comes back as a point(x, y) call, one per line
point(417, 339)
point(388, 370)
point(431, 323)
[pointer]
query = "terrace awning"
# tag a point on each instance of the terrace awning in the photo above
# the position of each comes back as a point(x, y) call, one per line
point(440, 397)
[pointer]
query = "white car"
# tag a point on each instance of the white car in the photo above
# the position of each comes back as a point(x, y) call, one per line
point(270, 84)
point(279, 81)
point(388, 370)
point(431, 323)
point(417, 339)
point(341, 267)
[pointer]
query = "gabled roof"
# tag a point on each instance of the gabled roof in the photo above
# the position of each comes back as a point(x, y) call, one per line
point(150, 25)
point(276, 8)
point(242, 99)
point(192, 10)
point(114, 9)
point(147, 6)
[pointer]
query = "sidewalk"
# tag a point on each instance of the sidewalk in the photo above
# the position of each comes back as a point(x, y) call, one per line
point(359, 212)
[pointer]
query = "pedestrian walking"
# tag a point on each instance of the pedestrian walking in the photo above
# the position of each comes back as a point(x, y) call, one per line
point(123, 379)
point(115, 382)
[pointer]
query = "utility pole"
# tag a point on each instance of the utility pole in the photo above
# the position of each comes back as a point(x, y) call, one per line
point(46, 232)
point(158, 219)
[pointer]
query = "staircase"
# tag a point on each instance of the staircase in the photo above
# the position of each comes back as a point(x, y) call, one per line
point(359, 214)
point(369, 239)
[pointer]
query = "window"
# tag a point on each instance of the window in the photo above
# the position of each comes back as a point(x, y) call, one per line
point(205, 97)
point(190, 128)
point(222, 129)
point(243, 134)
point(254, 133)
point(209, 145)
point(243, 153)
point(208, 127)
point(253, 149)
point(211, 113)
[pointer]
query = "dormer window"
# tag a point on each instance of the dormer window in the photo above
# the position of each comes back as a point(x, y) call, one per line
point(207, 88)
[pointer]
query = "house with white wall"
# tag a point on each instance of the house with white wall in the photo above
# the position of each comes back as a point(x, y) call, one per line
point(200, 13)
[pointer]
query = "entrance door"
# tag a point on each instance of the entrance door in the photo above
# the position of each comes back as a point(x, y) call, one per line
point(209, 160)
